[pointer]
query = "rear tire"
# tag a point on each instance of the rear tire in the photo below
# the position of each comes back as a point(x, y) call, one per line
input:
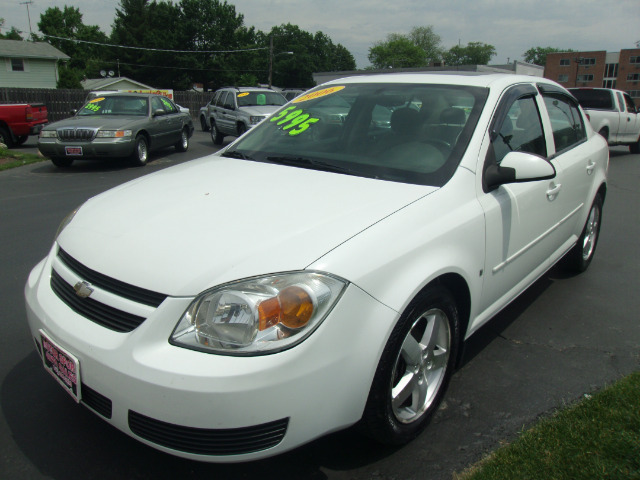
point(5, 137)
point(635, 147)
point(183, 144)
point(578, 259)
point(605, 133)
point(414, 369)
point(21, 139)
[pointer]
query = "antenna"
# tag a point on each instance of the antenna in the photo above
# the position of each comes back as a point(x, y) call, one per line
point(27, 3)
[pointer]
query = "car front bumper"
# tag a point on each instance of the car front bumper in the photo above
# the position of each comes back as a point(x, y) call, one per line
point(214, 407)
point(98, 148)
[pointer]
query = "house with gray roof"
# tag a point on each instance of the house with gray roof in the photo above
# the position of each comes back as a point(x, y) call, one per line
point(29, 64)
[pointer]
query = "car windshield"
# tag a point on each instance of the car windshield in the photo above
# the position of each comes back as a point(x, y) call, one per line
point(253, 99)
point(116, 105)
point(410, 133)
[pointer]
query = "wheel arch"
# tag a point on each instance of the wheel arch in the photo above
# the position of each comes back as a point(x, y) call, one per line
point(458, 287)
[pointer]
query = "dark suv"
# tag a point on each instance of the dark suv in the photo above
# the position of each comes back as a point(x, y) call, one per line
point(234, 110)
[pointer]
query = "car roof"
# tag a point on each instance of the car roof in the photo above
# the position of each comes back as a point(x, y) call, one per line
point(477, 79)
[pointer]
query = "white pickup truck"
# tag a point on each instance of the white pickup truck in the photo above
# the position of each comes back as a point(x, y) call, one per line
point(612, 114)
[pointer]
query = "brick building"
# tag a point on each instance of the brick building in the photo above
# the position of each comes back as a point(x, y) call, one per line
point(620, 70)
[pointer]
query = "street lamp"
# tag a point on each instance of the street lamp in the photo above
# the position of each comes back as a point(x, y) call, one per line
point(579, 61)
point(271, 55)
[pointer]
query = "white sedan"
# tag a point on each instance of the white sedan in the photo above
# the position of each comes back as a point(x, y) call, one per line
point(315, 274)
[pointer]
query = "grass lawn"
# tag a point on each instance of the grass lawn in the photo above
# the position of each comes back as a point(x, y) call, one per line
point(597, 438)
point(12, 159)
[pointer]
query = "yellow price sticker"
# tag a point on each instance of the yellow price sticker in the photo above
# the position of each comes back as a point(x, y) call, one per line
point(318, 94)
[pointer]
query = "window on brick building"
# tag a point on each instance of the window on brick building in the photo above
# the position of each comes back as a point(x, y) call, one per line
point(634, 77)
point(585, 78)
point(564, 62)
point(563, 78)
point(634, 59)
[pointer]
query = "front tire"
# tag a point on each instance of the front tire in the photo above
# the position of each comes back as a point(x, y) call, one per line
point(241, 129)
point(140, 153)
point(578, 259)
point(414, 369)
point(203, 124)
point(216, 136)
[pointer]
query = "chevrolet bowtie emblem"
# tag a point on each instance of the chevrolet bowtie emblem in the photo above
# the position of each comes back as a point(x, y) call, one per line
point(83, 289)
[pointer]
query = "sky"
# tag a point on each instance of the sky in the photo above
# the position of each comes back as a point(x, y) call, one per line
point(511, 26)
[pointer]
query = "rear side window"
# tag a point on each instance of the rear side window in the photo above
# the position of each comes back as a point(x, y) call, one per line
point(594, 99)
point(566, 121)
point(631, 107)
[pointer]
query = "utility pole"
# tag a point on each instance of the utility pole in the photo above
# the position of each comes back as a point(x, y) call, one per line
point(270, 60)
point(27, 3)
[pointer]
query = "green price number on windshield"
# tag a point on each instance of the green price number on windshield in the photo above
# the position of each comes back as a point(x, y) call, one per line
point(93, 107)
point(296, 118)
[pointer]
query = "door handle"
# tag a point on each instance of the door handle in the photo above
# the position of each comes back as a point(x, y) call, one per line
point(591, 165)
point(553, 190)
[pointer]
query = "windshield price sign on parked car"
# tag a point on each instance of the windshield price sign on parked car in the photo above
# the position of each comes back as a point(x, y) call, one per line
point(62, 365)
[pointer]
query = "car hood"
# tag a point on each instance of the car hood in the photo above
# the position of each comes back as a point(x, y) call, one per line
point(97, 121)
point(214, 220)
point(260, 109)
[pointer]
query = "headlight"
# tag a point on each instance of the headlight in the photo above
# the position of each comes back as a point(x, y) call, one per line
point(255, 120)
point(258, 316)
point(48, 134)
point(113, 133)
point(65, 221)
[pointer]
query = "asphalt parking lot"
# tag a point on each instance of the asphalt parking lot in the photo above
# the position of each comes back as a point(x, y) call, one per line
point(563, 338)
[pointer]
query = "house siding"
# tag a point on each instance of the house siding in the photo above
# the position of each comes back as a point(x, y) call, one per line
point(37, 73)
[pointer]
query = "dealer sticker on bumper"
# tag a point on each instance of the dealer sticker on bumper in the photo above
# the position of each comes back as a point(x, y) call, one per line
point(64, 367)
point(73, 150)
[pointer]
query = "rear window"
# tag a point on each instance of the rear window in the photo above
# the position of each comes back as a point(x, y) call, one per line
point(593, 99)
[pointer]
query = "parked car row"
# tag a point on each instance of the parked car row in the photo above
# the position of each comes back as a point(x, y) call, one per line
point(321, 271)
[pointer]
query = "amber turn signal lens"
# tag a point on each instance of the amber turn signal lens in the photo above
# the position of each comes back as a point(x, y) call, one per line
point(292, 307)
point(297, 306)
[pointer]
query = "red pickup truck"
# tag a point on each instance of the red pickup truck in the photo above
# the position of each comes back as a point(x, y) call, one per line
point(18, 121)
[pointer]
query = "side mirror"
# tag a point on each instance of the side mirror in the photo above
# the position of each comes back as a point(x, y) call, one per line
point(518, 167)
point(158, 112)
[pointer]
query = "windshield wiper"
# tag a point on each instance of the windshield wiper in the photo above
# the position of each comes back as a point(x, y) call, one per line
point(236, 154)
point(305, 162)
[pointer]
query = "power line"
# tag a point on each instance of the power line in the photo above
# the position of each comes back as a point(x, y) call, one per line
point(187, 68)
point(157, 49)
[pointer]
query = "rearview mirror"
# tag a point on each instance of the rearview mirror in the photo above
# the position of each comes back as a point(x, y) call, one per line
point(518, 167)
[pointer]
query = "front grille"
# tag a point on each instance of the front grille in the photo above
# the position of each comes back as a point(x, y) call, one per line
point(131, 292)
point(203, 441)
point(76, 134)
point(96, 401)
point(97, 312)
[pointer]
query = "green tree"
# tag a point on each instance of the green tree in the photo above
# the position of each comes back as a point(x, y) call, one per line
point(420, 48)
point(475, 53)
point(212, 25)
point(63, 28)
point(538, 55)
point(12, 34)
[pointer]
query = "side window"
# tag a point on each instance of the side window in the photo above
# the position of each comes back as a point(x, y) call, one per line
point(220, 97)
point(566, 121)
point(521, 130)
point(215, 98)
point(229, 103)
point(620, 102)
point(631, 107)
point(156, 104)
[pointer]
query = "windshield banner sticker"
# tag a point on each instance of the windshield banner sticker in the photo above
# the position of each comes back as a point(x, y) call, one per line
point(243, 94)
point(96, 100)
point(317, 94)
point(296, 118)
